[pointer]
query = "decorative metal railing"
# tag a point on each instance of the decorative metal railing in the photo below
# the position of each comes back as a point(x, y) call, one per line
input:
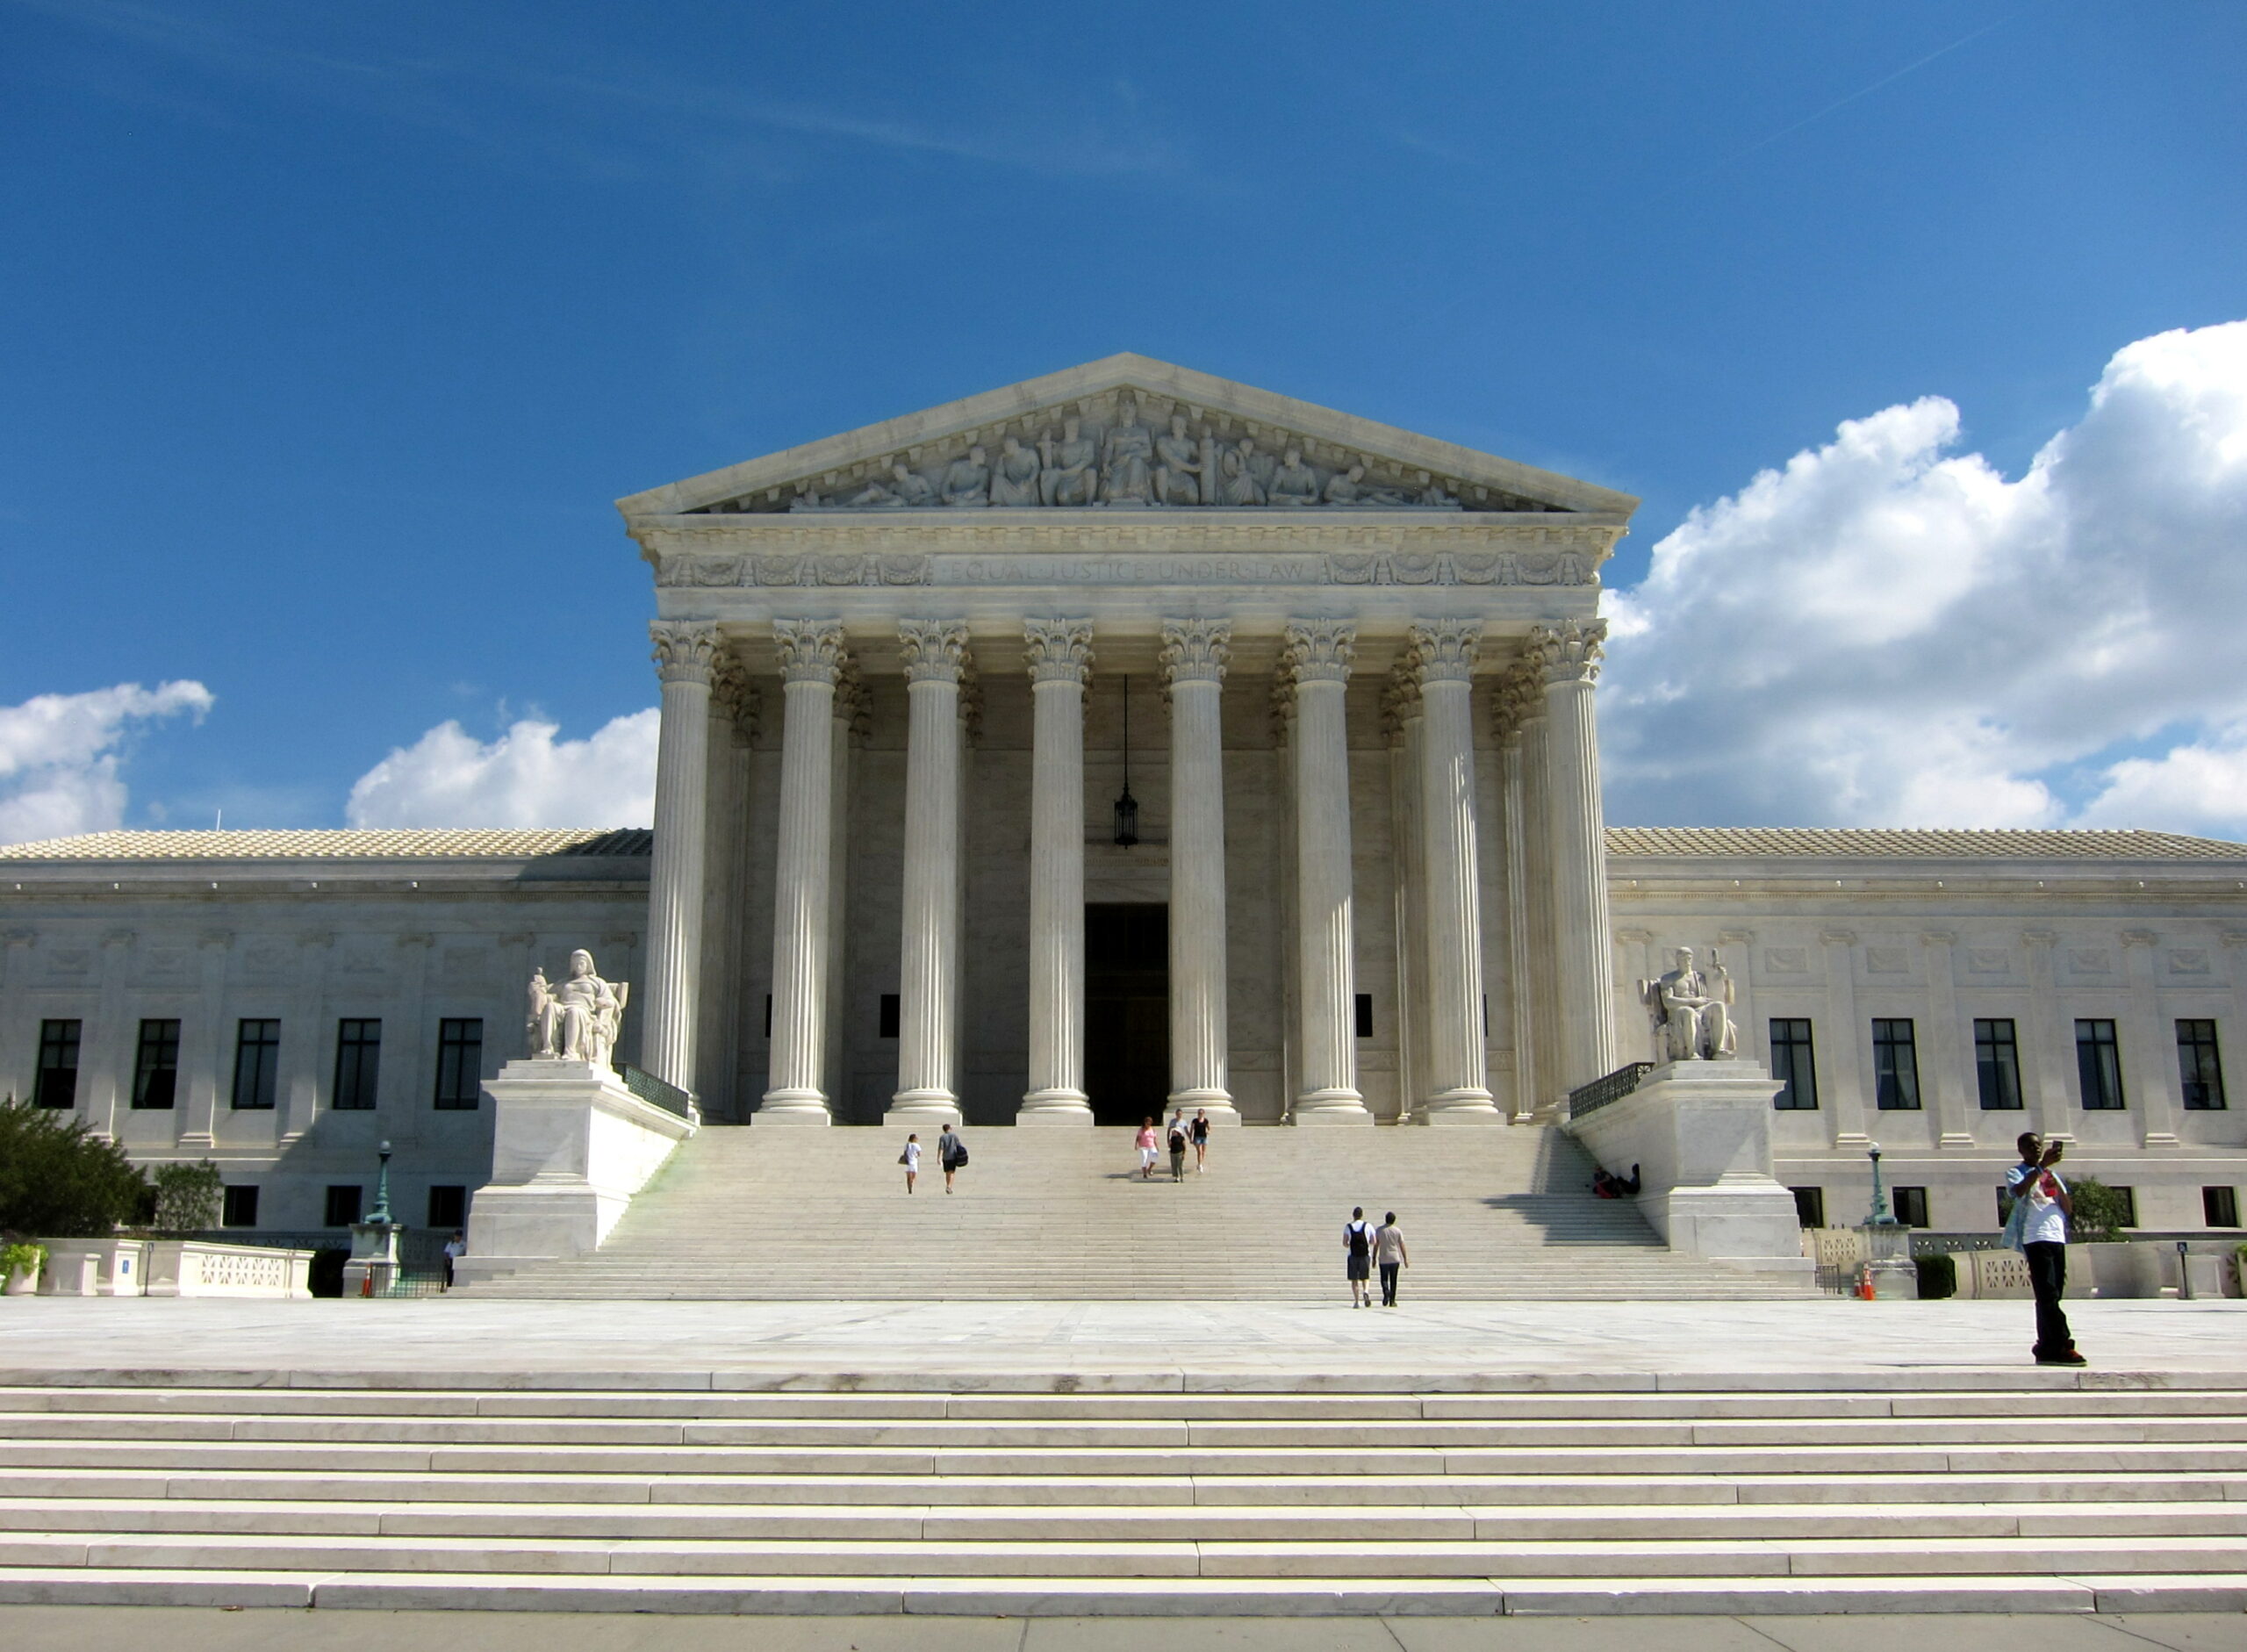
point(657, 1093)
point(1591, 1097)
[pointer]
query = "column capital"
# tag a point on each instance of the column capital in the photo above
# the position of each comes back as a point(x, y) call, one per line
point(1516, 701)
point(735, 696)
point(1400, 702)
point(1570, 652)
point(686, 650)
point(1444, 651)
point(1319, 650)
point(1058, 650)
point(936, 650)
point(811, 651)
point(1196, 650)
point(854, 706)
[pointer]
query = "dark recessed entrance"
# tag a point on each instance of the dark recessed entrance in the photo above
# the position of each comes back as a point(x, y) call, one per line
point(1127, 1011)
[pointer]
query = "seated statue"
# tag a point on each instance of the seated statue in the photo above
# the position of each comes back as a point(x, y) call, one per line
point(577, 1021)
point(1127, 458)
point(1065, 476)
point(1294, 483)
point(1345, 487)
point(967, 479)
point(1236, 482)
point(1689, 1007)
point(1178, 467)
point(1014, 481)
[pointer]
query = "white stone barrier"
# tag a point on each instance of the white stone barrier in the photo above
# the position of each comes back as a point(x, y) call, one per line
point(93, 1266)
point(571, 1146)
point(1700, 1134)
point(208, 1268)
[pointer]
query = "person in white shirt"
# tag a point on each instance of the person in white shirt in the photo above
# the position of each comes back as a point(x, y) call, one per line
point(911, 1160)
point(455, 1247)
point(2038, 1228)
point(1389, 1256)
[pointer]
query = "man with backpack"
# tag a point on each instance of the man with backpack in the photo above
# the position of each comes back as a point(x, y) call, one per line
point(1357, 1254)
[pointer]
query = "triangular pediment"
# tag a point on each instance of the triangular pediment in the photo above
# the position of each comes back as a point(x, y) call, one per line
point(1127, 432)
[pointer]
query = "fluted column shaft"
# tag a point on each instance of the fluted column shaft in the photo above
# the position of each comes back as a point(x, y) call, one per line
point(685, 654)
point(1318, 657)
point(1402, 711)
point(1523, 1030)
point(1459, 1086)
point(811, 659)
point(1193, 657)
point(1060, 658)
point(1570, 655)
point(928, 980)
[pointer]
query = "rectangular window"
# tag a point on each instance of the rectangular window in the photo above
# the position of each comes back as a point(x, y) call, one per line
point(239, 1207)
point(1895, 1066)
point(155, 1065)
point(1996, 1066)
point(460, 1063)
point(2127, 1198)
point(1809, 1206)
point(1794, 1066)
point(449, 1208)
point(2220, 1206)
point(885, 1025)
point(1364, 1015)
point(1911, 1206)
point(2099, 1066)
point(358, 1063)
point(343, 1206)
point(57, 1084)
point(257, 1065)
point(2199, 1068)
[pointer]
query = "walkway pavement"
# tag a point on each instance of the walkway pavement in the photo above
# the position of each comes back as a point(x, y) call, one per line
point(458, 1339)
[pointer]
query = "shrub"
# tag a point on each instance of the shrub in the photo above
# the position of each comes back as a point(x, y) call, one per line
point(188, 1197)
point(23, 1258)
point(326, 1278)
point(59, 1180)
point(1938, 1276)
point(2098, 1211)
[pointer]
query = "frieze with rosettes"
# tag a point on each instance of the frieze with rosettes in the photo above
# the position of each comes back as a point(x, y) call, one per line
point(737, 569)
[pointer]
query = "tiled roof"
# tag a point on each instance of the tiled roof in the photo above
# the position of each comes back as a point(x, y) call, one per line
point(1883, 843)
point(501, 844)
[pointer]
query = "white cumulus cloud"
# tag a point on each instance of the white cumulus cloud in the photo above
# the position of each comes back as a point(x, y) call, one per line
point(1888, 631)
point(59, 754)
point(525, 777)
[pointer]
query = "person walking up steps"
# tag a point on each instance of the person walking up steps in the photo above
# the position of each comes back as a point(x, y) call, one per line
point(1357, 1255)
point(952, 1153)
point(1178, 1149)
point(1200, 1131)
point(1146, 1141)
point(911, 1160)
point(2038, 1228)
point(1389, 1256)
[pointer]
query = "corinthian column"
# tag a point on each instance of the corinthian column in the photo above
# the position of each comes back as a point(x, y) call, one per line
point(1517, 698)
point(929, 994)
point(1443, 658)
point(1318, 656)
point(812, 656)
point(685, 655)
point(1060, 658)
point(1569, 655)
point(1193, 657)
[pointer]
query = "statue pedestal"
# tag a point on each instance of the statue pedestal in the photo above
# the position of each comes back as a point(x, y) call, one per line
point(1700, 1134)
point(571, 1146)
point(373, 1265)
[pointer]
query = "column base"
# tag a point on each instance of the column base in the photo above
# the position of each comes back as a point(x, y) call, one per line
point(792, 1106)
point(1216, 1103)
point(1458, 1106)
point(1317, 1109)
point(1055, 1106)
point(910, 1108)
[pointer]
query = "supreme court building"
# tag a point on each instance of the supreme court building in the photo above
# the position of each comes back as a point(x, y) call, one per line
point(1129, 738)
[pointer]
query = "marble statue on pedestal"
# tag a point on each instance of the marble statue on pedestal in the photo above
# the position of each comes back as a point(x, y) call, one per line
point(577, 1021)
point(1690, 1007)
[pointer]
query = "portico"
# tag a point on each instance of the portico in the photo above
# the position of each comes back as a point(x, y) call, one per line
point(1372, 808)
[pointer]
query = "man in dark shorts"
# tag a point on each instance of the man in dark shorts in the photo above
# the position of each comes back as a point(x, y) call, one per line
point(1357, 1252)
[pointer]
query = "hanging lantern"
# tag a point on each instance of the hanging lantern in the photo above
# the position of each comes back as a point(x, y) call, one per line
point(1127, 806)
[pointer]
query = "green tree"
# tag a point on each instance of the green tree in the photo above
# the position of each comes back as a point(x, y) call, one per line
point(187, 1197)
point(2100, 1213)
point(59, 1180)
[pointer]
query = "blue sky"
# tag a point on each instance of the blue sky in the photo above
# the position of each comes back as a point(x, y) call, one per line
point(331, 333)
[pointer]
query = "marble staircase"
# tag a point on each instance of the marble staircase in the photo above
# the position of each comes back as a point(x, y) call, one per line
point(1008, 1494)
point(1062, 1215)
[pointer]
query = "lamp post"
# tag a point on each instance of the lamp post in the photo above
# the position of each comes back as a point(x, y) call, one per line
point(1887, 1244)
point(1880, 1213)
point(381, 1212)
point(372, 1267)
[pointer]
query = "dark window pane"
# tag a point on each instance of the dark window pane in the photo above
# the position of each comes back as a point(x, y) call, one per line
point(460, 1063)
point(2127, 1198)
point(238, 1207)
point(1794, 1065)
point(1809, 1206)
point(1364, 1015)
point(1895, 1066)
point(449, 1208)
point(1911, 1206)
point(358, 1063)
point(155, 1065)
point(2098, 1067)
point(2220, 1206)
point(886, 1020)
point(2198, 1066)
point(1996, 1066)
point(343, 1206)
point(257, 1065)
point(57, 1084)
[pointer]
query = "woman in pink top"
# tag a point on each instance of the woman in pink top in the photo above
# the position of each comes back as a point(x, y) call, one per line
point(1146, 1150)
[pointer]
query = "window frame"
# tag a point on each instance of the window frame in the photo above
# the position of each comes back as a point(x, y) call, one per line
point(1788, 1098)
point(456, 1190)
point(361, 1056)
point(1809, 1202)
point(230, 1197)
point(257, 1066)
point(55, 1037)
point(1916, 1198)
point(2204, 1053)
point(2001, 1056)
point(2223, 1199)
point(155, 1057)
point(459, 1058)
point(1895, 1065)
point(357, 1201)
point(2099, 1054)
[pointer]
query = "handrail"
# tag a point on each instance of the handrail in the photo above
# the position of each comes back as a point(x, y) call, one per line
point(659, 1093)
point(1589, 1098)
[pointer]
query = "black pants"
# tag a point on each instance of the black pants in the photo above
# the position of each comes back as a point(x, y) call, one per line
point(1388, 1284)
point(1178, 1164)
point(2048, 1277)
